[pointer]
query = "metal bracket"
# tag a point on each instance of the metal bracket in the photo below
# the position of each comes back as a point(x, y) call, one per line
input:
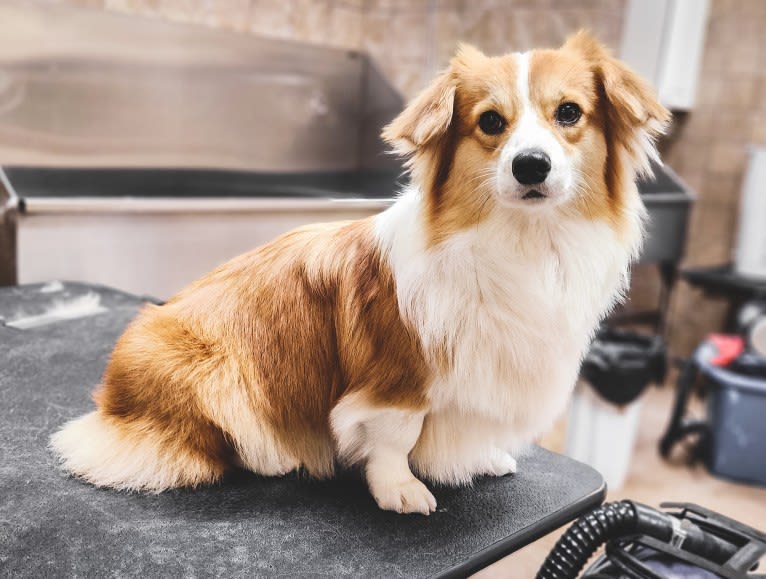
point(9, 208)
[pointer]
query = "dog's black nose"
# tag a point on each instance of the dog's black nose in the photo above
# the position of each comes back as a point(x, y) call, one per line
point(531, 166)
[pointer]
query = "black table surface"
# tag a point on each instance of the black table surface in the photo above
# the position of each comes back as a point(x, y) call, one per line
point(55, 526)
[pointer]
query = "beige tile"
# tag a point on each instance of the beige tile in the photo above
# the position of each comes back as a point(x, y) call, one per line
point(95, 4)
point(694, 316)
point(527, 30)
point(447, 26)
point(760, 90)
point(487, 31)
point(374, 29)
point(644, 288)
point(733, 124)
point(744, 55)
point(695, 181)
point(356, 5)
point(270, 18)
point(753, 9)
point(397, 6)
point(697, 126)
point(695, 230)
point(408, 35)
point(712, 231)
point(715, 60)
point(450, 5)
point(709, 88)
point(721, 190)
point(410, 78)
point(540, 5)
point(346, 28)
point(721, 9)
point(229, 14)
point(310, 21)
point(689, 157)
point(727, 158)
point(607, 26)
point(739, 92)
point(142, 7)
point(758, 128)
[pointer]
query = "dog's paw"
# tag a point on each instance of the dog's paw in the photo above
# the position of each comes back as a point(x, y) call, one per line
point(501, 463)
point(410, 496)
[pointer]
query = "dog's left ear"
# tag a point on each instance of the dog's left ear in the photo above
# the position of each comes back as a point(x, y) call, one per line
point(635, 116)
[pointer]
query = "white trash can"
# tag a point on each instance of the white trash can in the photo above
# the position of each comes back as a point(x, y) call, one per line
point(602, 434)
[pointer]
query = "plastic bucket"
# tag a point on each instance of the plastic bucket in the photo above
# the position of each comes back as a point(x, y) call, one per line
point(737, 419)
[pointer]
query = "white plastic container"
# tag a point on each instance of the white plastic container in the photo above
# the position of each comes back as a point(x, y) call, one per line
point(750, 256)
point(601, 434)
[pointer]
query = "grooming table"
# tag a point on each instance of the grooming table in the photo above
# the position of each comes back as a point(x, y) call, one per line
point(55, 526)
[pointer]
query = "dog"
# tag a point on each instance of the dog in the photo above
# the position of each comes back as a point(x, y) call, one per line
point(436, 338)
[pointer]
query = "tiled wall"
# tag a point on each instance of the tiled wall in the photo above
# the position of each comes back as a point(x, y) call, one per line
point(709, 150)
point(329, 22)
point(411, 39)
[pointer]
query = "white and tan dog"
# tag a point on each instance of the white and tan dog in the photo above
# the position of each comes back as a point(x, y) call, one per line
point(433, 339)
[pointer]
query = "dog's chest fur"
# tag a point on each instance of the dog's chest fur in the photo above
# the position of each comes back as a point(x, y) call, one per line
point(505, 311)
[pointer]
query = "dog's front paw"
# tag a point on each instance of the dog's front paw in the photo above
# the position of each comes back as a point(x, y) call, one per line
point(410, 496)
point(501, 463)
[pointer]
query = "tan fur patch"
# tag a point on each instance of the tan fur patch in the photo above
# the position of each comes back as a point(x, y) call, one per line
point(288, 328)
point(149, 387)
point(450, 164)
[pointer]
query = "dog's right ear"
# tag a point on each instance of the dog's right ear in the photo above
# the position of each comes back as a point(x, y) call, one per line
point(426, 117)
point(429, 114)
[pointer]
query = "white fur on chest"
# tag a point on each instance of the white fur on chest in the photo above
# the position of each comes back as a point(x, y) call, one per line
point(513, 302)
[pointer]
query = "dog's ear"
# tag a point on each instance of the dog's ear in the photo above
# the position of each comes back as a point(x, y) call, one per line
point(634, 116)
point(429, 115)
point(426, 117)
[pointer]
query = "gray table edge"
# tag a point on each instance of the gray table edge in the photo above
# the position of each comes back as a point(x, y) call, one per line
point(508, 546)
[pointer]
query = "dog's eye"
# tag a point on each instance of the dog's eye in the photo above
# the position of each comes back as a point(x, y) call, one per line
point(568, 114)
point(491, 123)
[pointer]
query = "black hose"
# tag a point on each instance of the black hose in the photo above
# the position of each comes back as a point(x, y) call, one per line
point(587, 534)
point(659, 525)
point(617, 520)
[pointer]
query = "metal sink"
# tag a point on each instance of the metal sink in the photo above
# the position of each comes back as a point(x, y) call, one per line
point(154, 230)
point(668, 201)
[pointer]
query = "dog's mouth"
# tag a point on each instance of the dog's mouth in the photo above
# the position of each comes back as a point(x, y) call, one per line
point(533, 195)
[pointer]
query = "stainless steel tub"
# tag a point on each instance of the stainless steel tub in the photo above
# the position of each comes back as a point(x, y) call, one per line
point(154, 230)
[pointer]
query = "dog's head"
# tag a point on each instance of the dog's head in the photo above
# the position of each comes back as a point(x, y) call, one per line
point(566, 128)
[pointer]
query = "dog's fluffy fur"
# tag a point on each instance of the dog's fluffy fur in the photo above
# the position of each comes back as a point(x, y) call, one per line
point(434, 338)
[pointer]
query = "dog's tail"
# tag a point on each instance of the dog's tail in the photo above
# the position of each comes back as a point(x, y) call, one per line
point(108, 452)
